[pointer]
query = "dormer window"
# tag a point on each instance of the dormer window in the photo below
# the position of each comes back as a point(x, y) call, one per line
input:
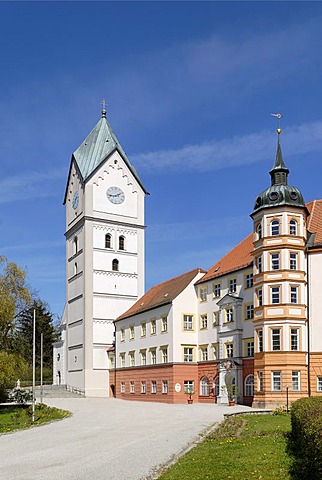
point(108, 240)
point(275, 228)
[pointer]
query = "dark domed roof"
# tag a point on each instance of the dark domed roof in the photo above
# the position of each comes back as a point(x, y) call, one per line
point(279, 193)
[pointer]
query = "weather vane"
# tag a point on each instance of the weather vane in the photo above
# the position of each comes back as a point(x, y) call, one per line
point(278, 116)
point(104, 107)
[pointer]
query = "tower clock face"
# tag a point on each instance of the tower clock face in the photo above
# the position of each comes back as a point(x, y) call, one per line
point(115, 195)
point(75, 201)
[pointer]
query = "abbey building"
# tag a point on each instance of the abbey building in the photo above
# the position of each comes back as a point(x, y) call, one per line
point(247, 329)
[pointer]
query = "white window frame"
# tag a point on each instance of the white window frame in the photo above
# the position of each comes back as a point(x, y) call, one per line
point(276, 381)
point(203, 292)
point(250, 348)
point(203, 321)
point(204, 353)
point(275, 295)
point(164, 324)
point(165, 387)
point(188, 386)
point(153, 387)
point(132, 387)
point(143, 329)
point(143, 386)
point(249, 385)
point(275, 261)
point(293, 261)
point(187, 322)
point(153, 356)
point(294, 294)
point(188, 354)
point(295, 339)
point(296, 380)
point(153, 327)
point(164, 354)
point(319, 383)
point(275, 228)
point(293, 227)
point(276, 339)
point(122, 387)
point(233, 285)
point(204, 387)
point(229, 315)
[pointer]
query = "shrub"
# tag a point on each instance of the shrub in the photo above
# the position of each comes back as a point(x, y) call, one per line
point(19, 395)
point(305, 441)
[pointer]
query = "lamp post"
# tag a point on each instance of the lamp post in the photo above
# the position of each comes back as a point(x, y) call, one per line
point(287, 398)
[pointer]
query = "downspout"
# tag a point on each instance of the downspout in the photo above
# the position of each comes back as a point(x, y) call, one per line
point(308, 324)
point(114, 359)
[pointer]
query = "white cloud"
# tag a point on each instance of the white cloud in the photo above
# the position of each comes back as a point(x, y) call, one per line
point(231, 152)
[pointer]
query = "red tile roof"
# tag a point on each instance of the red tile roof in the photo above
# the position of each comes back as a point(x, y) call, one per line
point(314, 224)
point(162, 294)
point(239, 257)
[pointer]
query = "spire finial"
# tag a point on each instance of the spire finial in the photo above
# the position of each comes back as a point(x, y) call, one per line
point(104, 108)
point(278, 116)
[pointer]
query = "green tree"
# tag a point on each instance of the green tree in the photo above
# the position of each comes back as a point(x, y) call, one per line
point(24, 336)
point(12, 368)
point(14, 297)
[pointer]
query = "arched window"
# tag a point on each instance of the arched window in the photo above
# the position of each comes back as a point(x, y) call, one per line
point(249, 385)
point(204, 387)
point(275, 227)
point(293, 227)
point(121, 243)
point(108, 240)
point(115, 265)
point(75, 245)
point(216, 386)
point(259, 231)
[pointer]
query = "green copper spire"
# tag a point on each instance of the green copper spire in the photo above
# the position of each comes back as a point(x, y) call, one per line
point(279, 172)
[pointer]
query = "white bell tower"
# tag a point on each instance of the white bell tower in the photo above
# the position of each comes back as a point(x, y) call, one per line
point(104, 202)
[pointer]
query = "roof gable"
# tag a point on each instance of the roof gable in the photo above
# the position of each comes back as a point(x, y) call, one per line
point(314, 222)
point(162, 294)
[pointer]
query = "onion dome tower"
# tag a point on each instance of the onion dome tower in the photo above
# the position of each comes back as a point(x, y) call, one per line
point(280, 233)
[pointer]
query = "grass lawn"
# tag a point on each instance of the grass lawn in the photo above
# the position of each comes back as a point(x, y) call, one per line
point(17, 418)
point(243, 447)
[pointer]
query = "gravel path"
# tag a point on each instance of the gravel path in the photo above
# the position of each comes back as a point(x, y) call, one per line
point(105, 439)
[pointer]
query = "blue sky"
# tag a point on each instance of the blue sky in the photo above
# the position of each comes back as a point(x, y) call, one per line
point(189, 86)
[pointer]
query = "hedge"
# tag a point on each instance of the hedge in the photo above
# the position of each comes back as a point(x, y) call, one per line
point(305, 441)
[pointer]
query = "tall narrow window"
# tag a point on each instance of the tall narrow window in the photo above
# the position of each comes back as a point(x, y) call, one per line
point(293, 261)
point(115, 265)
point(276, 381)
point(259, 264)
point(275, 227)
point(75, 268)
point(249, 280)
point(293, 227)
point(296, 381)
point(260, 378)
point(294, 339)
point(229, 315)
point(260, 340)
point(75, 246)
point(229, 350)
point(293, 294)
point(260, 297)
point(249, 385)
point(275, 261)
point(108, 240)
point(204, 387)
point(275, 293)
point(250, 348)
point(276, 339)
point(121, 243)
point(259, 231)
point(232, 285)
point(216, 386)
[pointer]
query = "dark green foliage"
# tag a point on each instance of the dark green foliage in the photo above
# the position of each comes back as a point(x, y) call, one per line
point(305, 439)
point(24, 337)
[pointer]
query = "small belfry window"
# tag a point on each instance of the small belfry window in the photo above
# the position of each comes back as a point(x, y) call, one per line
point(275, 227)
point(115, 265)
point(121, 243)
point(108, 240)
point(293, 227)
point(75, 245)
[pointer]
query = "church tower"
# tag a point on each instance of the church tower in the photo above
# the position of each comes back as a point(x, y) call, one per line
point(280, 331)
point(104, 202)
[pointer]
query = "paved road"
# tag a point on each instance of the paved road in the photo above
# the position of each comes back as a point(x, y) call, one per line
point(105, 439)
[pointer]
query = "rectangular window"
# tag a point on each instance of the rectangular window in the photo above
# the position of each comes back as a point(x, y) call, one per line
point(260, 340)
point(122, 359)
point(164, 324)
point(229, 315)
point(203, 322)
point(260, 297)
point(260, 377)
point(132, 387)
point(293, 261)
point(293, 294)
point(204, 354)
point(250, 348)
point(276, 338)
point(294, 339)
point(132, 359)
point(153, 386)
point(216, 289)
point(296, 381)
point(143, 357)
point(188, 322)
point(122, 332)
point(203, 294)
point(259, 265)
point(215, 319)
point(275, 294)
point(188, 386)
point(249, 280)
point(188, 354)
point(229, 350)
point(153, 327)
point(153, 357)
point(276, 381)
point(319, 384)
point(122, 387)
point(143, 387)
point(275, 261)
point(131, 332)
point(232, 285)
point(143, 329)
point(164, 354)
point(165, 387)
point(249, 312)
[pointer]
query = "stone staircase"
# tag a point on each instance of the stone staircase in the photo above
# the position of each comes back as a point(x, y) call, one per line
point(58, 391)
